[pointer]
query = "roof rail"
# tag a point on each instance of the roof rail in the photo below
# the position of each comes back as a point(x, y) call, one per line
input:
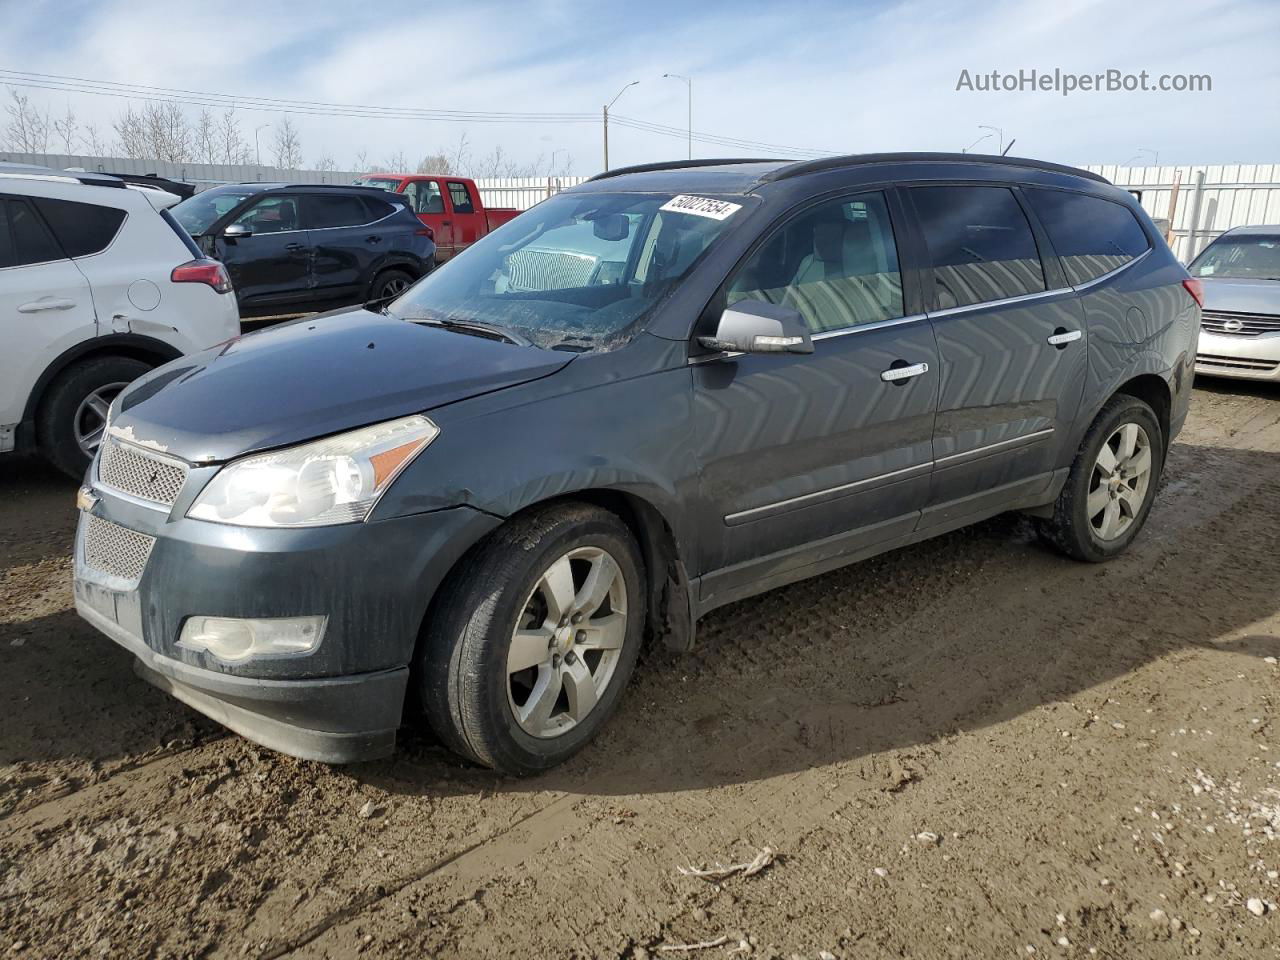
point(679, 165)
point(852, 160)
point(30, 171)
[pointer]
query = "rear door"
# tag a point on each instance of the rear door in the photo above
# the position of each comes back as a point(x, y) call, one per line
point(806, 457)
point(1011, 348)
point(345, 243)
point(426, 199)
point(466, 215)
point(272, 267)
point(46, 306)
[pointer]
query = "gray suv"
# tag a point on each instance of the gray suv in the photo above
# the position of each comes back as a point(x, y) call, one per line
point(662, 391)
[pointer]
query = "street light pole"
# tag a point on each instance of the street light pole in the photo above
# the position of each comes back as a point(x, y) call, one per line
point(257, 150)
point(998, 132)
point(985, 136)
point(688, 82)
point(606, 120)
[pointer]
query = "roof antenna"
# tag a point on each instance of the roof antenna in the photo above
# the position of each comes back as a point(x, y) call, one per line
point(1005, 151)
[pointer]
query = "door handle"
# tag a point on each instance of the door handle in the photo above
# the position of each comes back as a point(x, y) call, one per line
point(1062, 336)
point(896, 374)
point(294, 246)
point(446, 223)
point(373, 239)
point(39, 306)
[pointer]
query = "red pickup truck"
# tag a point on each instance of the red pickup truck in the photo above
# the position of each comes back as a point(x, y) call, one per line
point(450, 206)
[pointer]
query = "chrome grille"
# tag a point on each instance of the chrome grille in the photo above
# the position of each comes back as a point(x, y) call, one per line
point(139, 473)
point(115, 550)
point(1235, 363)
point(1239, 324)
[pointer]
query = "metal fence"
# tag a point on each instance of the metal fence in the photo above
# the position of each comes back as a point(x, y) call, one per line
point(522, 192)
point(203, 175)
point(1211, 198)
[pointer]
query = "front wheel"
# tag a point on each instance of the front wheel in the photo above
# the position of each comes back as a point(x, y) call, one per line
point(73, 415)
point(1112, 483)
point(534, 639)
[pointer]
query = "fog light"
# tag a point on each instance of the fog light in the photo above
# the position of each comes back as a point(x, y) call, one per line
point(233, 638)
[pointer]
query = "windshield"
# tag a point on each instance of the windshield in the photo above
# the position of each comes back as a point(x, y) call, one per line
point(382, 183)
point(1241, 257)
point(197, 214)
point(577, 271)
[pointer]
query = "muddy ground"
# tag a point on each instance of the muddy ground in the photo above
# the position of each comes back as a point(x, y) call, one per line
point(970, 748)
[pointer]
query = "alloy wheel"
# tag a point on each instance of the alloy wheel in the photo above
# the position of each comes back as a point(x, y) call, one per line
point(1119, 483)
point(91, 417)
point(567, 642)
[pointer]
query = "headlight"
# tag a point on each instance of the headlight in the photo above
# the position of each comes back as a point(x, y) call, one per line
point(334, 480)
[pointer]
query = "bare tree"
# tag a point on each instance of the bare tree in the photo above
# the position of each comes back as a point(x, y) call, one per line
point(362, 161)
point(67, 128)
point(93, 140)
point(288, 148)
point(131, 133)
point(207, 140)
point(156, 131)
point(325, 163)
point(232, 147)
point(396, 162)
point(435, 163)
point(26, 131)
point(496, 164)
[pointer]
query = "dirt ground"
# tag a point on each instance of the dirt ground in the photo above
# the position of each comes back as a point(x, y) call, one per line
point(970, 748)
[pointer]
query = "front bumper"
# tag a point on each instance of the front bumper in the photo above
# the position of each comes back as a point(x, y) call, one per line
point(1246, 358)
point(339, 703)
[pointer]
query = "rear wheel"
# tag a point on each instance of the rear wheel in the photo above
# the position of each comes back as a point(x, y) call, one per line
point(73, 416)
point(1112, 484)
point(389, 284)
point(534, 639)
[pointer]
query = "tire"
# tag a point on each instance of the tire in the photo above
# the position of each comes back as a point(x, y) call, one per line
point(471, 698)
point(68, 409)
point(1077, 528)
point(389, 284)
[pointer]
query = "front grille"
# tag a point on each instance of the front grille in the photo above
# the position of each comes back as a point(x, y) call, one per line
point(1235, 363)
point(1239, 324)
point(139, 473)
point(115, 550)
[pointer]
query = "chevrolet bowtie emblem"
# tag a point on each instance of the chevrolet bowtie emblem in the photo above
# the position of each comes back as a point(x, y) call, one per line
point(86, 499)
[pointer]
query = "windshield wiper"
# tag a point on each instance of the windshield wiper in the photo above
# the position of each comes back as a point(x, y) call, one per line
point(475, 328)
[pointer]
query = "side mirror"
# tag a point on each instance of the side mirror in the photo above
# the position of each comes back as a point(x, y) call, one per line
point(237, 231)
point(753, 326)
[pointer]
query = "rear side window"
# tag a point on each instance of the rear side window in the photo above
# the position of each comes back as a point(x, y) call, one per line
point(980, 244)
point(82, 229)
point(26, 239)
point(1091, 236)
point(377, 209)
point(335, 211)
point(461, 198)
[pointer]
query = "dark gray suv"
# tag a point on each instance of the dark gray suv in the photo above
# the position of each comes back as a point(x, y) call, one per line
point(662, 391)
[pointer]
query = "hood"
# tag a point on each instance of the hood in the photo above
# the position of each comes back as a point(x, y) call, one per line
point(314, 377)
point(1241, 296)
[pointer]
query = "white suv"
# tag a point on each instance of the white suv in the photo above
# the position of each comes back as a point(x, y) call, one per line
point(98, 284)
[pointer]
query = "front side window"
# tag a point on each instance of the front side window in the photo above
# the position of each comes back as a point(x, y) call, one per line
point(980, 244)
point(29, 240)
point(325, 211)
point(425, 196)
point(578, 271)
point(1092, 236)
point(82, 229)
point(1240, 257)
point(837, 264)
point(274, 214)
point(461, 198)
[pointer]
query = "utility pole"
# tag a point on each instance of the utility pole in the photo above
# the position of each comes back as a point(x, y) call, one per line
point(606, 120)
point(688, 82)
point(257, 150)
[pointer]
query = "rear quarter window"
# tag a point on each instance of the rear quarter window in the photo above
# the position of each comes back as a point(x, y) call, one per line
point(82, 229)
point(1092, 236)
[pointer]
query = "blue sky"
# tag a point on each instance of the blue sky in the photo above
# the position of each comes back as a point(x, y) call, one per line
point(847, 77)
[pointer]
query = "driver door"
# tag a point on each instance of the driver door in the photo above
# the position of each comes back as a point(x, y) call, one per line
point(273, 266)
point(805, 458)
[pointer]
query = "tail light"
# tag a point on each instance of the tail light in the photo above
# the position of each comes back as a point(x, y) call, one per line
point(203, 271)
point(425, 232)
point(1196, 289)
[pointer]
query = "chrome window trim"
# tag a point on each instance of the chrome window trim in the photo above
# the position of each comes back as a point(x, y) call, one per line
point(733, 519)
point(874, 325)
point(987, 304)
point(352, 226)
point(1111, 273)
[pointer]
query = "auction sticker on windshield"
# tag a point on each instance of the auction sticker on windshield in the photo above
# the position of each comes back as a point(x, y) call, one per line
point(702, 207)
